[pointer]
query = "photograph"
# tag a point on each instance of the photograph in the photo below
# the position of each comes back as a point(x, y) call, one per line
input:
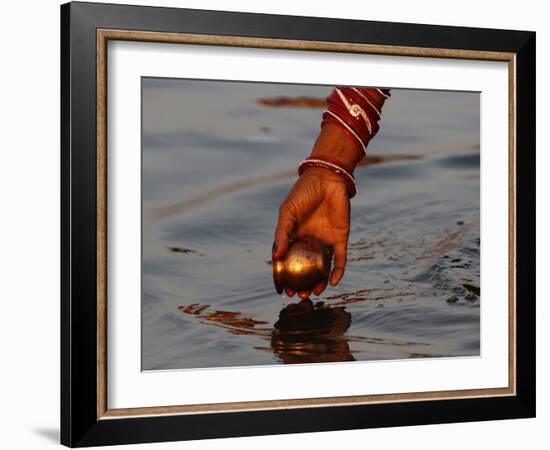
point(279, 224)
point(299, 224)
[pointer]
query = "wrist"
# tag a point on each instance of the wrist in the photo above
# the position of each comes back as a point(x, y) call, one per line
point(325, 177)
point(335, 144)
point(329, 171)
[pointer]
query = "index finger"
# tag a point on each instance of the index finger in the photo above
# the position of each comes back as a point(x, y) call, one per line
point(285, 225)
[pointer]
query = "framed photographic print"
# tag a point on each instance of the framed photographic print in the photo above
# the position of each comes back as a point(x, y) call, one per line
point(277, 224)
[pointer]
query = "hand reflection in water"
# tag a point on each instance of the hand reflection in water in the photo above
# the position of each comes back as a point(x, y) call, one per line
point(304, 333)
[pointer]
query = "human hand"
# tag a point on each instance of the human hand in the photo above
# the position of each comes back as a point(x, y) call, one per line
point(317, 205)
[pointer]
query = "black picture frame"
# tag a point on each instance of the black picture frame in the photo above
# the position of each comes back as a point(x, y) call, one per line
point(80, 425)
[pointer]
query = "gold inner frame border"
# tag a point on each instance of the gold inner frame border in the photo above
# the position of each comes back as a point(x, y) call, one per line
point(103, 36)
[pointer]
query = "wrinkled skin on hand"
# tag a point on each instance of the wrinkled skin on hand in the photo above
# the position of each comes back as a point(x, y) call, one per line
point(317, 205)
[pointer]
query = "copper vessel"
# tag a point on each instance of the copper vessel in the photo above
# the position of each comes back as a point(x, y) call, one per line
point(305, 264)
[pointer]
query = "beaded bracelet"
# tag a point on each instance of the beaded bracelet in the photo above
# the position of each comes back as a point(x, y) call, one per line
point(329, 163)
point(333, 161)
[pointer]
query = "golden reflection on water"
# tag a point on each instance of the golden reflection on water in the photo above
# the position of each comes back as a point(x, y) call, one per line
point(308, 333)
point(304, 333)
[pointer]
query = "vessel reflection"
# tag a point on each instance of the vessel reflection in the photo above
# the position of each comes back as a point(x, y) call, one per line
point(304, 333)
point(308, 333)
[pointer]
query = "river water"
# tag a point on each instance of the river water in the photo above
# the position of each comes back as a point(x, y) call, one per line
point(216, 164)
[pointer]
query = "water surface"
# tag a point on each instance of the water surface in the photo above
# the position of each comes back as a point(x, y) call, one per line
point(217, 163)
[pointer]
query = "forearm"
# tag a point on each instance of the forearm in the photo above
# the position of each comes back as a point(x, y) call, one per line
point(349, 123)
point(335, 143)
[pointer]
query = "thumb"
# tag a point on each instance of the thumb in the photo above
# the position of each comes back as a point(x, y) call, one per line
point(340, 257)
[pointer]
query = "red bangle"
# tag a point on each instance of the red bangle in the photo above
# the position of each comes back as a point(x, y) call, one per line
point(335, 166)
point(355, 110)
